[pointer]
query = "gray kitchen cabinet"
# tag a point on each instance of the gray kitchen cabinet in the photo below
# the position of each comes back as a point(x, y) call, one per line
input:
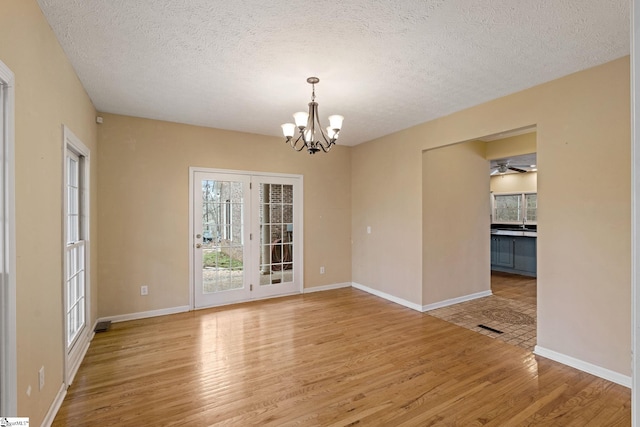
point(502, 251)
point(524, 255)
point(514, 254)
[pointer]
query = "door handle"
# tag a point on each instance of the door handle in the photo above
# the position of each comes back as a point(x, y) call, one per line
point(198, 245)
point(198, 236)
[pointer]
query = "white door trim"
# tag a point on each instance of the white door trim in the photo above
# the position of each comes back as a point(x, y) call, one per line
point(73, 357)
point(192, 172)
point(8, 342)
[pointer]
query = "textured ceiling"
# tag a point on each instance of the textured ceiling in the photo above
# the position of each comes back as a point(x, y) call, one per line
point(385, 65)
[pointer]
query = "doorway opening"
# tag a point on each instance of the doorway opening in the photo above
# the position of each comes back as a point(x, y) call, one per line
point(513, 169)
point(489, 202)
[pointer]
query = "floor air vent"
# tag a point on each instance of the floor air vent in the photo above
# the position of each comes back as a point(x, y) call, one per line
point(490, 329)
point(103, 326)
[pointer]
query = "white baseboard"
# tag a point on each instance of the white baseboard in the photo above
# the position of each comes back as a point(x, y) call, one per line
point(457, 300)
point(144, 314)
point(581, 365)
point(327, 287)
point(85, 347)
point(388, 297)
point(55, 406)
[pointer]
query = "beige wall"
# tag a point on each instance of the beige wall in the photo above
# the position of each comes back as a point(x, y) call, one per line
point(386, 186)
point(48, 95)
point(144, 206)
point(583, 219)
point(512, 146)
point(514, 182)
point(455, 211)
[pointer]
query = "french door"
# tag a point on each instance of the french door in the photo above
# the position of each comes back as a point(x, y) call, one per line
point(245, 236)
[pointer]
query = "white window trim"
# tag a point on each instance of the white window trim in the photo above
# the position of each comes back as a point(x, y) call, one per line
point(522, 207)
point(74, 355)
point(8, 341)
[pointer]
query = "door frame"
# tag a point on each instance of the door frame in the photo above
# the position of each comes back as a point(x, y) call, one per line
point(191, 241)
point(8, 328)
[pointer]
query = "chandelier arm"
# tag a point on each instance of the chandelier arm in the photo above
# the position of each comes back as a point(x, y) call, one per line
point(327, 141)
point(294, 144)
point(328, 147)
point(313, 119)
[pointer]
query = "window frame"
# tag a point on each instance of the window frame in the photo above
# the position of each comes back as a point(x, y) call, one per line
point(523, 207)
point(75, 349)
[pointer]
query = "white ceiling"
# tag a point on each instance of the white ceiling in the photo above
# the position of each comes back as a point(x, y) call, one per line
point(385, 65)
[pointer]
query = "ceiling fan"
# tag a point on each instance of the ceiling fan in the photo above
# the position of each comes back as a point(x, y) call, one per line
point(503, 167)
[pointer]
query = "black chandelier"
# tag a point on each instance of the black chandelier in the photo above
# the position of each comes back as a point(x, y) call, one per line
point(306, 124)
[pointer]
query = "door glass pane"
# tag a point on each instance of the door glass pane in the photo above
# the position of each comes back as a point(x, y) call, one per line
point(276, 233)
point(222, 237)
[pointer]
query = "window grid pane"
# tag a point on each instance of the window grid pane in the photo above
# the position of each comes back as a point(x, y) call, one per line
point(515, 208)
point(75, 289)
point(276, 233)
point(508, 208)
point(531, 205)
point(73, 201)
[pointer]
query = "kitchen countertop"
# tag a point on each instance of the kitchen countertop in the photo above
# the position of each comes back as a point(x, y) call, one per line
point(520, 233)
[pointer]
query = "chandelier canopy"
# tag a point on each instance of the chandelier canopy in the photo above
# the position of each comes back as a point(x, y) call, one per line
point(310, 133)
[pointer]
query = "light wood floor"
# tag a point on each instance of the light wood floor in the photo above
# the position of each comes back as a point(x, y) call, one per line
point(514, 286)
point(333, 358)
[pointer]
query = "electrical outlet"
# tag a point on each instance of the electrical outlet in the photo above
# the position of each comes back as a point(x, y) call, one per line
point(144, 290)
point(368, 229)
point(41, 378)
point(321, 270)
point(29, 390)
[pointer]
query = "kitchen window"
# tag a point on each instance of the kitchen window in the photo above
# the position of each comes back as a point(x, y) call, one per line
point(514, 208)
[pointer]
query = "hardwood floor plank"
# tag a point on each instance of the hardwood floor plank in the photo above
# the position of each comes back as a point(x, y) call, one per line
point(333, 358)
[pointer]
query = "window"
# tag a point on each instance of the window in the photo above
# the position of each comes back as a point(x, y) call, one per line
point(515, 208)
point(76, 252)
point(75, 245)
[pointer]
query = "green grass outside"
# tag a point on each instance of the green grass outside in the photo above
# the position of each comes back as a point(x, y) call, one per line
point(220, 260)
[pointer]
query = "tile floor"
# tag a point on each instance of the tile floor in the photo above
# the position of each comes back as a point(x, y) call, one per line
point(511, 310)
